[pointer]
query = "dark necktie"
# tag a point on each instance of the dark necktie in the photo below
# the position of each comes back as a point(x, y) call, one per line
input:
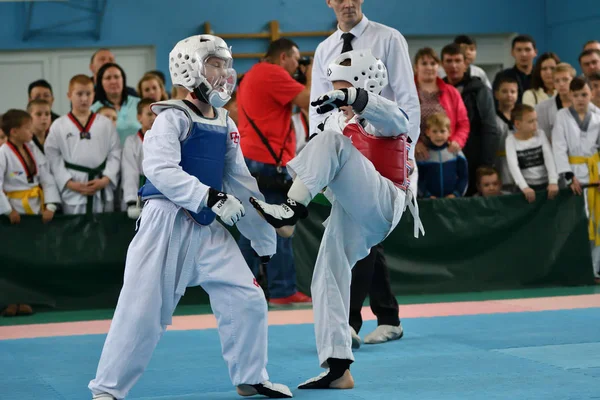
point(347, 37)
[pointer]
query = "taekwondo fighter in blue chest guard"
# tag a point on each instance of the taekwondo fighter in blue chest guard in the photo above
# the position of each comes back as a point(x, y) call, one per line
point(195, 172)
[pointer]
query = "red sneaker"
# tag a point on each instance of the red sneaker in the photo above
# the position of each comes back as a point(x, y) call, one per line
point(296, 298)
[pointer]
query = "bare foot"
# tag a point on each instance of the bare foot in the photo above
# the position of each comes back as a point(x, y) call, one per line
point(345, 382)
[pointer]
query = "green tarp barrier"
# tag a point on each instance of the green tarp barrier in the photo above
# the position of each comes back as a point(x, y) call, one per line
point(471, 244)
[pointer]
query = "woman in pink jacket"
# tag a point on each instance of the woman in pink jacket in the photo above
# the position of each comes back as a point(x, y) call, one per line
point(437, 96)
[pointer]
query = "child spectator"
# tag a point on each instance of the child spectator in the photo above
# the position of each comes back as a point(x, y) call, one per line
point(488, 182)
point(40, 113)
point(151, 87)
point(575, 141)
point(109, 113)
point(506, 97)
point(442, 173)
point(25, 179)
point(131, 164)
point(84, 152)
point(529, 155)
point(547, 109)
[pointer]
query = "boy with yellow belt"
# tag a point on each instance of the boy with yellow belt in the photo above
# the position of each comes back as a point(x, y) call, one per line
point(575, 142)
point(25, 179)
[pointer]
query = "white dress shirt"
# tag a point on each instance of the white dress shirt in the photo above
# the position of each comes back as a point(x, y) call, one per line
point(389, 46)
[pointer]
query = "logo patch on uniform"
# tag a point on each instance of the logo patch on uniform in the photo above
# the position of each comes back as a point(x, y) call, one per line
point(328, 71)
point(235, 137)
point(14, 174)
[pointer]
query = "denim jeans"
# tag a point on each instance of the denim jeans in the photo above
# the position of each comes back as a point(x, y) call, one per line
point(281, 270)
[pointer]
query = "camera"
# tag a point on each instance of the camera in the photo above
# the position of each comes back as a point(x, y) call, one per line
point(299, 75)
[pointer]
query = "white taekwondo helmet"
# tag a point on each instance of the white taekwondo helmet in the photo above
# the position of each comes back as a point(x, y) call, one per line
point(364, 72)
point(188, 68)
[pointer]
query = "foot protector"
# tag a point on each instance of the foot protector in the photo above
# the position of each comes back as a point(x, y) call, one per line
point(280, 215)
point(268, 389)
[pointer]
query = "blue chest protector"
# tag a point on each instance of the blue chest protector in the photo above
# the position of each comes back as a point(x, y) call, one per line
point(202, 154)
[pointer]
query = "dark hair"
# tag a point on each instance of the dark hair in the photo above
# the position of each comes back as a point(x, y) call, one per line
point(426, 52)
point(14, 118)
point(588, 52)
point(101, 93)
point(96, 52)
point(39, 83)
point(485, 170)
point(520, 109)
point(577, 84)
point(452, 49)
point(536, 74)
point(159, 74)
point(523, 39)
point(505, 79)
point(464, 39)
point(590, 42)
point(143, 104)
point(281, 45)
point(594, 77)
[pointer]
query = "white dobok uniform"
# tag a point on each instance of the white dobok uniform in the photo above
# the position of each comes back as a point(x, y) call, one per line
point(20, 189)
point(366, 207)
point(100, 155)
point(170, 252)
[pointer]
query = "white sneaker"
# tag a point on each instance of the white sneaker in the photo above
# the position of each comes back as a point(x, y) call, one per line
point(384, 333)
point(268, 389)
point(356, 341)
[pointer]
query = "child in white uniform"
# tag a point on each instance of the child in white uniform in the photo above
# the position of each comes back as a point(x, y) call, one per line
point(194, 166)
point(356, 148)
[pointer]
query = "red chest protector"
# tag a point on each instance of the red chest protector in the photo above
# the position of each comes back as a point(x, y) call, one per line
point(389, 155)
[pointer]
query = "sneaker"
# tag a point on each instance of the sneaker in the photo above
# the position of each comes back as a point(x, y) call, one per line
point(384, 333)
point(356, 341)
point(268, 389)
point(296, 298)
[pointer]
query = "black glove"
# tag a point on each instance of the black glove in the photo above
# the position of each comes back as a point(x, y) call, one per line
point(334, 99)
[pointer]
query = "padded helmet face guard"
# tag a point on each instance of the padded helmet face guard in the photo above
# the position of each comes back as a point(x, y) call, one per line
point(364, 72)
point(203, 65)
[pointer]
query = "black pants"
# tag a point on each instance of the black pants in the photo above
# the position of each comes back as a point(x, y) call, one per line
point(370, 276)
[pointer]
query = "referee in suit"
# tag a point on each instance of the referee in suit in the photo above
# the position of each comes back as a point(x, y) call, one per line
point(370, 276)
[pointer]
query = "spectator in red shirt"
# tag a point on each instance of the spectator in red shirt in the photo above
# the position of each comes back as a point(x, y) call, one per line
point(264, 100)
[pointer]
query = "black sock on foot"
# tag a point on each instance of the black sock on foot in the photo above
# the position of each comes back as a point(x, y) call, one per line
point(337, 368)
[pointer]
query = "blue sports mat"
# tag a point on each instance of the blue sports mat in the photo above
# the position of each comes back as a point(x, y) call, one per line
point(538, 355)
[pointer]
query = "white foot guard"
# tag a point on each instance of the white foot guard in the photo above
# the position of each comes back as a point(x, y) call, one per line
point(103, 396)
point(280, 215)
point(384, 333)
point(356, 341)
point(268, 389)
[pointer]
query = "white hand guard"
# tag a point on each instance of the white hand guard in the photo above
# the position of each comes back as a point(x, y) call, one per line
point(226, 206)
point(335, 99)
point(133, 212)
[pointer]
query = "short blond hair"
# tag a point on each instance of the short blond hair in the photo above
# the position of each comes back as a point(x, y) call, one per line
point(438, 120)
point(565, 67)
point(80, 79)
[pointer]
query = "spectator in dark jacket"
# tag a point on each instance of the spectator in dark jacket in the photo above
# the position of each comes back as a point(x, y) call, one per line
point(483, 139)
point(523, 51)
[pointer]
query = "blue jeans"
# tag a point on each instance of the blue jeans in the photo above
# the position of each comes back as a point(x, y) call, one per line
point(281, 270)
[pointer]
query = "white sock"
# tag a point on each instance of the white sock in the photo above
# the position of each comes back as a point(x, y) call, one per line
point(299, 192)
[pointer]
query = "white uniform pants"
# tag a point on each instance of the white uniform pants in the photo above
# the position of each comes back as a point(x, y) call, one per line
point(169, 253)
point(366, 208)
